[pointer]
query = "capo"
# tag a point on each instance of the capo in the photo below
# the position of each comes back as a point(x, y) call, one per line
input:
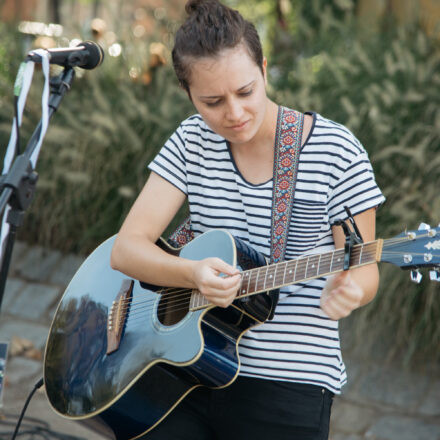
point(351, 237)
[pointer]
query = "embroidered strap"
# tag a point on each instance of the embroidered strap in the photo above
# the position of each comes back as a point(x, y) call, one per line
point(287, 148)
point(182, 234)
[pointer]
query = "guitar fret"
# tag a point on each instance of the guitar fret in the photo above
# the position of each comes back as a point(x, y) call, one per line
point(280, 273)
point(270, 276)
point(294, 274)
point(300, 269)
point(339, 260)
point(275, 275)
point(245, 290)
point(307, 266)
point(312, 259)
point(257, 287)
point(292, 279)
point(285, 269)
point(253, 281)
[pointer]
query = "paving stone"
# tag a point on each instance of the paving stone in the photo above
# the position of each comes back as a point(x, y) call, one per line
point(403, 428)
point(348, 417)
point(37, 264)
point(341, 436)
point(40, 409)
point(35, 301)
point(37, 333)
point(431, 403)
point(392, 386)
point(12, 289)
point(65, 270)
point(19, 369)
point(18, 252)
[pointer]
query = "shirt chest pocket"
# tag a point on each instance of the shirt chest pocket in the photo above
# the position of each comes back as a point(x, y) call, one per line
point(309, 219)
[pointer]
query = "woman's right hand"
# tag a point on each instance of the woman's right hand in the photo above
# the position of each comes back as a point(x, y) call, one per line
point(217, 281)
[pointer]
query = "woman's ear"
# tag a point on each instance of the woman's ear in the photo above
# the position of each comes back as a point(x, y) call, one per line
point(265, 70)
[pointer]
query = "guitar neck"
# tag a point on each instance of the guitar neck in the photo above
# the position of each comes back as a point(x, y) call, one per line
point(275, 276)
point(306, 268)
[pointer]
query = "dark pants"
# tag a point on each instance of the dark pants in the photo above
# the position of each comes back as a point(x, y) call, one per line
point(250, 408)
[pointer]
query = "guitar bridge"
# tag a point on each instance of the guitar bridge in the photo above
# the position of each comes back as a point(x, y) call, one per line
point(117, 315)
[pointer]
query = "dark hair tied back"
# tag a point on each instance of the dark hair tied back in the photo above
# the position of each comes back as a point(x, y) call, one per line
point(211, 27)
point(195, 6)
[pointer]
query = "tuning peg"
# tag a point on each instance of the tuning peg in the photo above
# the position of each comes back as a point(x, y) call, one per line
point(424, 227)
point(416, 276)
point(434, 275)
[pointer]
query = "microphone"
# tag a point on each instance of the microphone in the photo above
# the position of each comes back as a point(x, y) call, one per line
point(86, 55)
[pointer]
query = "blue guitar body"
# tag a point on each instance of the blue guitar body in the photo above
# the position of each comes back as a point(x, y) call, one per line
point(122, 354)
point(128, 382)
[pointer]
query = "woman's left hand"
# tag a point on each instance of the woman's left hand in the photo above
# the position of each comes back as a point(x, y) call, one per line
point(341, 295)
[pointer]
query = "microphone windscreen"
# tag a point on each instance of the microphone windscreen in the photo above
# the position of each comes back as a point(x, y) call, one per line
point(96, 54)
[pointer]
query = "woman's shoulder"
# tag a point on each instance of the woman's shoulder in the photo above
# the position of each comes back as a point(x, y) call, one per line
point(335, 134)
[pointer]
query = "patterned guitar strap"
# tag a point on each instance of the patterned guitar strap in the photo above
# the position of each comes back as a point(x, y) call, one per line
point(287, 149)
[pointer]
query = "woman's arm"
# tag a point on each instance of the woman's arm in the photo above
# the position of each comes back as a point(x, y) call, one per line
point(136, 254)
point(349, 290)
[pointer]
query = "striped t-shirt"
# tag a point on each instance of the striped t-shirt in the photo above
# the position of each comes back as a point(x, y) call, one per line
point(300, 344)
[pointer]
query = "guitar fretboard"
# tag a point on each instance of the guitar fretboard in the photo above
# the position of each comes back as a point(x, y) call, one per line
point(301, 269)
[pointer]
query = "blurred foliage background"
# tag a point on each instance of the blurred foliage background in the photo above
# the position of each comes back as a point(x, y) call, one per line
point(371, 65)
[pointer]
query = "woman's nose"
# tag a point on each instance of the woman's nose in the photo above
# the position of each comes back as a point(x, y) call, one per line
point(234, 110)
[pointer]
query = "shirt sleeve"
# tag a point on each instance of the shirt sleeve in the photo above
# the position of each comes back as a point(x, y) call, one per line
point(355, 188)
point(170, 161)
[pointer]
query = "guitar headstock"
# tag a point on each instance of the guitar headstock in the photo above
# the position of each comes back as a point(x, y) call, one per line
point(414, 250)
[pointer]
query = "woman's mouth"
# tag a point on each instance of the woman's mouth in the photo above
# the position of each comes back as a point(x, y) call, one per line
point(238, 127)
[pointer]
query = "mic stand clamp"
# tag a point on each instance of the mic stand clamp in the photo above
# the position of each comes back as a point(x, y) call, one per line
point(352, 237)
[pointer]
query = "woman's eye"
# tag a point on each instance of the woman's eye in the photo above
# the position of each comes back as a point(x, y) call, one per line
point(249, 92)
point(212, 104)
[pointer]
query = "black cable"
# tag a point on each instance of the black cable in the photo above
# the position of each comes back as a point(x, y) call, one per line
point(34, 428)
point(38, 385)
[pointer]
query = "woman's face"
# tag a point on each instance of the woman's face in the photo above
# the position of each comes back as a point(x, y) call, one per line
point(229, 92)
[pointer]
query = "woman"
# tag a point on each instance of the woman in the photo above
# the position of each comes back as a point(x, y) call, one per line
point(222, 159)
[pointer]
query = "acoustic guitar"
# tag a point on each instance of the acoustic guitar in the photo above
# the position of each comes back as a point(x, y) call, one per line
point(122, 354)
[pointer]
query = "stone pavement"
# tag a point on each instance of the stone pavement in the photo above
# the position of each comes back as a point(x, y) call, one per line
point(381, 402)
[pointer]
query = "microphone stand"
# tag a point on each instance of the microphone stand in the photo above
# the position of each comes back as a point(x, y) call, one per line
point(19, 184)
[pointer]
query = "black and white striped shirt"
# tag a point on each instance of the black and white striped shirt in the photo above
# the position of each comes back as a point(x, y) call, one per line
point(301, 344)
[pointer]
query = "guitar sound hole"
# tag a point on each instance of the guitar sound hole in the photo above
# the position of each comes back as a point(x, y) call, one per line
point(173, 307)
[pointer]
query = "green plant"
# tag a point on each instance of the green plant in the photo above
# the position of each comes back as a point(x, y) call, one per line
point(386, 89)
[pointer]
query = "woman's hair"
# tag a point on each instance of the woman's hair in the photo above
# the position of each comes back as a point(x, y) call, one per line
point(209, 28)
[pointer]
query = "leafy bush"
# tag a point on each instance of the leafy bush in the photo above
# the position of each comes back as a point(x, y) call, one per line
point(386, 89)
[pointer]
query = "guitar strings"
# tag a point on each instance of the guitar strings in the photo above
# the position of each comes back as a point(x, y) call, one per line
point(176, 293)
point(180, 297)
point(138, 309)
